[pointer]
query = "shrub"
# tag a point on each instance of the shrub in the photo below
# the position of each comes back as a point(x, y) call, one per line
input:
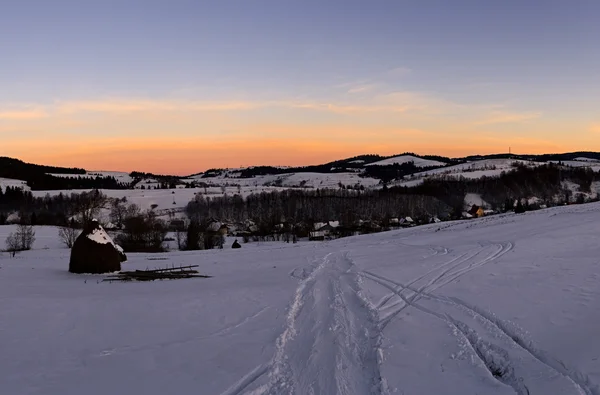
point(68, 235)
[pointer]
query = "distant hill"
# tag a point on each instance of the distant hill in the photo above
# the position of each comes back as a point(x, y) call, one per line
point(416, 161)
point(359, 171)
point(38, 177)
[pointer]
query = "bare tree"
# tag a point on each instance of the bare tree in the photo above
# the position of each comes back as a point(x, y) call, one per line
point(133, 210)
point(26, 236)
point(118, 212)
point(20, 240)
point(90, 204)
point(68, 235)
point(12, 244)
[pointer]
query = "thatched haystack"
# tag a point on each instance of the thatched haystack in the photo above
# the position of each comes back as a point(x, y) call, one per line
point(95, 252)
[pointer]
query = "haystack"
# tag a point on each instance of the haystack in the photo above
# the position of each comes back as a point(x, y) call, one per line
point(95, 252)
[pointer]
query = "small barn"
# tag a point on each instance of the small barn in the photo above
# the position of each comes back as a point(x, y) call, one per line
point(327, 230)
point(95, 252)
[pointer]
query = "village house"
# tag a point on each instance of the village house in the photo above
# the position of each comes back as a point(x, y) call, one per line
point(476, 211)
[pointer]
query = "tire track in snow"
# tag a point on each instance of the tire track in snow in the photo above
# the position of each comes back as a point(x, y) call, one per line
point(453, 264)
point(440, 280)
point(391, 295)
point(495, 359)
point(331, 343)
point(577, 379)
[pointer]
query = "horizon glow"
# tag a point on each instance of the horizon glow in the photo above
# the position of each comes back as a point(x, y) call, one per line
point(182, 87)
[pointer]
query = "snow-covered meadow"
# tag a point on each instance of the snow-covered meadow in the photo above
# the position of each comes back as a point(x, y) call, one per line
point(508, 304)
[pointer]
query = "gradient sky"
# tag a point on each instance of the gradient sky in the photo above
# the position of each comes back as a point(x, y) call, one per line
point(180, 86)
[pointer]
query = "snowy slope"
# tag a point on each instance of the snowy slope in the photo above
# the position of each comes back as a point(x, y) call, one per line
point(118, 175)
point(418, 162)
point(595, 166)
point(584, 159)
point(171, 199)
point(473, 170)
point(500, 305)
point(9, 182)
point(305, 180)
point(493, 166)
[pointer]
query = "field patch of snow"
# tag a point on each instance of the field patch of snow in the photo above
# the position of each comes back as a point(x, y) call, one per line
point(291, 180)
point(471, 170)
point(9, 182)
point(118, 175)
point(166, 200)
point(575, 163)
point(584, 159)
point(418, 162)
point(494, 165)
point(506, 304)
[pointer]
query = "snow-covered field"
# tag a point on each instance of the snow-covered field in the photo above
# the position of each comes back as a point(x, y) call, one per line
point(581, 162)
point(120, 176)
point(473, 170)
point(418, 162)
point(305, 180)
point(166, 199)
point(9, 182)
point(508, 304)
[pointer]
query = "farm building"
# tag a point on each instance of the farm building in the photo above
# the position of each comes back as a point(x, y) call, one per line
point(95, 252)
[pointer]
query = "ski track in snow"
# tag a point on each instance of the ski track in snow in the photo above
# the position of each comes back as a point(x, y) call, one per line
point(331, 343)
point(493, 357)
point(447, 275)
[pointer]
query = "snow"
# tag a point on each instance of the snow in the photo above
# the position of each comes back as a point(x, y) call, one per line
point(471, 170)
point(506, 304)
point(584, 159)
point(166, 200)
point(472, 199)
point(100, 236)
point(418, 162)
point(580, 163)
point(120, 176)
point(491, 166)
point(9, 182)
point(291, 180)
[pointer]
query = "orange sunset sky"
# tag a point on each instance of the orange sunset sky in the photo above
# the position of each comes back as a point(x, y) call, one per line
point(180, 90)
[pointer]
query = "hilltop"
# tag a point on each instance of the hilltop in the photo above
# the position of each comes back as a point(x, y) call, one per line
point(364, 171)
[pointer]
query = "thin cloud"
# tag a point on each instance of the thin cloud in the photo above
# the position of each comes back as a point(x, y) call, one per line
point(134, 106)
point(509, 117)
point(399, 102)
point(22, 114)
point(144, 105)
point(347, 108)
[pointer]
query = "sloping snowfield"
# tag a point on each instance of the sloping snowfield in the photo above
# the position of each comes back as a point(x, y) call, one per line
point(418, 162)
point(500, 305)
